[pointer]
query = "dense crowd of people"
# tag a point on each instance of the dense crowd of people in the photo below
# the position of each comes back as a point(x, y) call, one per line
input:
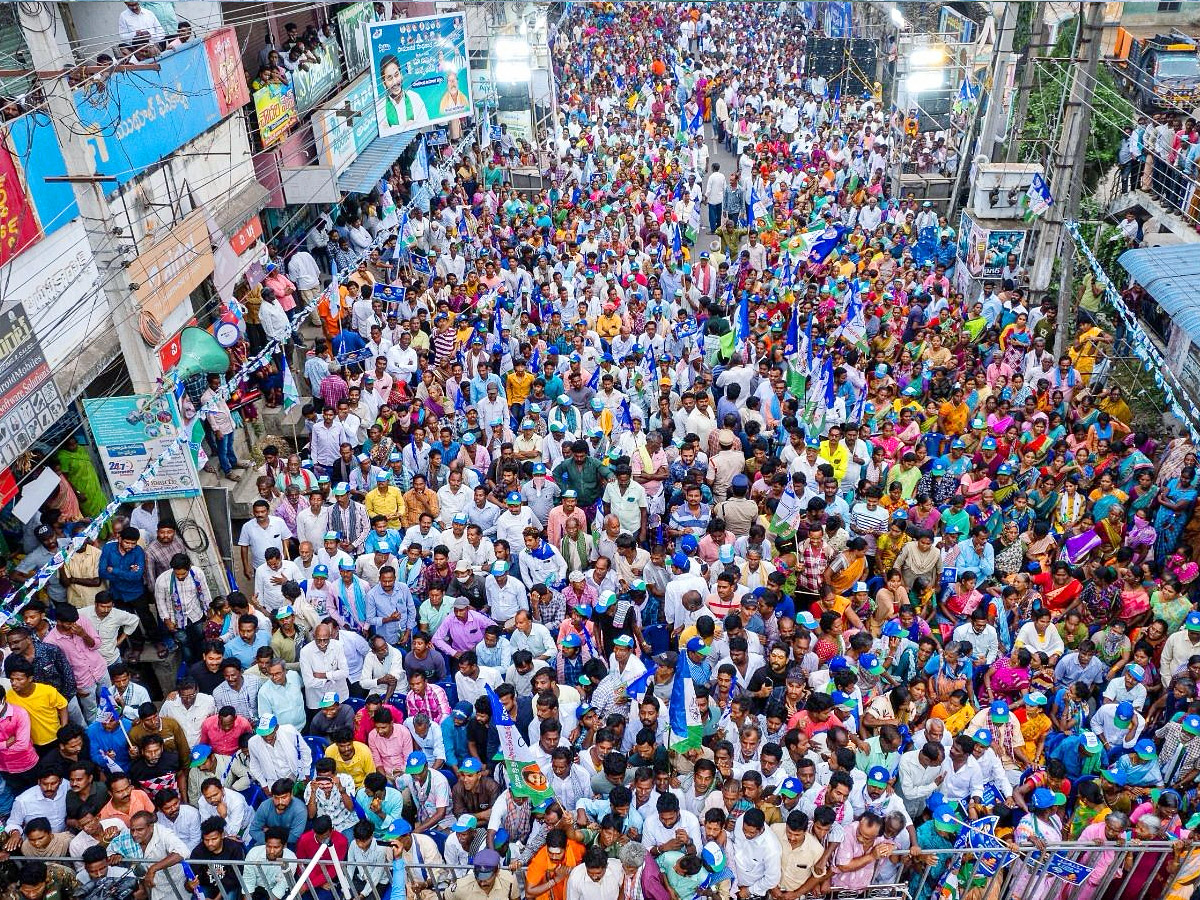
point(660, 430)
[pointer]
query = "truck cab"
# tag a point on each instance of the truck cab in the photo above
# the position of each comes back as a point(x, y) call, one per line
point(1159, 71)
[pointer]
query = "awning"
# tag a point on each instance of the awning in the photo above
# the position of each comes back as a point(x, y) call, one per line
point(247, 202)
point(362, 175)
point(1171, 275)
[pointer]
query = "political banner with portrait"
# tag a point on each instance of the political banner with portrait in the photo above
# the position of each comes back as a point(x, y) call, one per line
point(419, 68)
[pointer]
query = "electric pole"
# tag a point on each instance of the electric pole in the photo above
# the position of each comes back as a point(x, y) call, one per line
point(38, 25)
point(1037, 37)
point(1067, 162)
point(995, 118)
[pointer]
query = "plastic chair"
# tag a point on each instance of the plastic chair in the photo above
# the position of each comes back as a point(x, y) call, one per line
point(355, 703)
point(451, 690)
point(398, 701)
point(658, 637)
point(316, 744)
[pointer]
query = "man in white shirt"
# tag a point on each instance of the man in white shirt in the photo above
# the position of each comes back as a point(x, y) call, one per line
point(189, 708)
point(755, 854)
point(110, 624)
point(277, 751)
point(596, 878)
point(671, 828)
point(323, 667)
point(269, 579)
point(714, 195)
point(135, 25)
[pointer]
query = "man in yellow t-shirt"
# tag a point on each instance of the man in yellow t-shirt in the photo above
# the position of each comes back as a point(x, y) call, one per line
point(352, 758)
point(385, 500)
point(518, 383)
point(47, 708)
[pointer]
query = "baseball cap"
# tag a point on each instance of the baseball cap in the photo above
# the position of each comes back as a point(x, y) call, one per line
point(1136, 671)
point(1092, 744)
point(200, 753)
point(697, 645)
point(416, 763)
point(998, 711)
point(892, 629)
point(623, 640)
point(331, 536)
point(1192, 622)
point(465, 822)
point(871, 663)
point(340, 489)
point(470, 764)
point(1036, 698)
point(346, 565)
point(284, 611)
point(1145, 748)
point(680, 561)
point(1124, 714)
point(945, 820)
point(499, 567)
point(983, 737)
point(321, 571)
point(463, 710)
point(486, 860)
point(1044, 798)
point(791, 787)
point(398, 828)
point(878, 776)
point(461, 519)
point(572, 640)
point(513, 499)
point(1191, 724)
point(807, 619)
point(266, 726)
point(988, 443)
point(461, 603)
point(689, 544)
point(328, 699)
point(939, 468)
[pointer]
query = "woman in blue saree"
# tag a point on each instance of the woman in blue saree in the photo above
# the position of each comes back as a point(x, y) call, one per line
point(1175, 501)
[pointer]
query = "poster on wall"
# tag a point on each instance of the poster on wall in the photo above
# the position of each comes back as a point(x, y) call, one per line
point(350, 23)
point(999, 245)
point(130, 433)
point(419, 68)
point(972, 246)
point(275, 109)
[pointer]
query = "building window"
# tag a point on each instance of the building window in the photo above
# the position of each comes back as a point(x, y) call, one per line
point(1169, 7)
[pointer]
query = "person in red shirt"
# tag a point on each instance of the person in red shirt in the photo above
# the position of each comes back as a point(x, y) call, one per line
point(322, 876)
point(221, 732)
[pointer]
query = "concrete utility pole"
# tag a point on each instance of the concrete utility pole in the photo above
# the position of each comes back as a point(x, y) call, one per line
point(38, 24)
point(1037, 38)
point(996, 116)
point(1066, 175)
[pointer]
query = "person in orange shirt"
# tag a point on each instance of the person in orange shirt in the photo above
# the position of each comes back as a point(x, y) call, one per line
point(954, 413)
point(547, 873)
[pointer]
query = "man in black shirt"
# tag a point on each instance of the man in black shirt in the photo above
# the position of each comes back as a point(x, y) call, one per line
point(214, 879)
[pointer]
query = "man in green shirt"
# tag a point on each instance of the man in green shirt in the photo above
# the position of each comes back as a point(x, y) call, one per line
point(582, 474)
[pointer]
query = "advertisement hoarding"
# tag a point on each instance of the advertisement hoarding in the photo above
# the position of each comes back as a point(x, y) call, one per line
point(313, 81)
point(275, 109)
point(350, 23)
point(29, 399)
point(419, 71)
point(130, 432)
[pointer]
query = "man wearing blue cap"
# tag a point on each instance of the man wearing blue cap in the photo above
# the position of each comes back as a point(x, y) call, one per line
point(1117, 725)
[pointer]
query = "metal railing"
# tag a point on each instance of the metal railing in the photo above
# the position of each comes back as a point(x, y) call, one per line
point(1027, 875)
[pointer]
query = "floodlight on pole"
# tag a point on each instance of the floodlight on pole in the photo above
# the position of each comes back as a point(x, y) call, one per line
point(898, 18)
point(925, 81)
point(926, 58)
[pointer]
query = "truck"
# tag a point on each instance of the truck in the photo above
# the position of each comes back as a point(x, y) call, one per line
point(1160, 71)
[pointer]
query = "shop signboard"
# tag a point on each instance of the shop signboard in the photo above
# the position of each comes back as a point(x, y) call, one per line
point(341, 139)
point(173, 266)
point(419, 71)
point(130, 433)
point(29, 399)
point(137, 119)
